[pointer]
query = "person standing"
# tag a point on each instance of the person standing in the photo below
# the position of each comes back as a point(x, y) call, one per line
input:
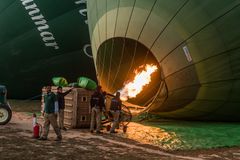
point(61, 105)
point(115, 109)
point(104, 110)
point(49, 115)
point(97, 104)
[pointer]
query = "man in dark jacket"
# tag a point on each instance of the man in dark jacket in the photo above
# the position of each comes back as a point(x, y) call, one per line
point(49, 115)
point(61, 105)
point(115, 109)
point(97, 104)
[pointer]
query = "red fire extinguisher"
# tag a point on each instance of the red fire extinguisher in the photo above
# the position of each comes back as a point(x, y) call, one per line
point(37, 128)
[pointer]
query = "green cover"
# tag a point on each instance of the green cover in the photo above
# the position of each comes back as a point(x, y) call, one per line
point(87, 83)
point(60, 81)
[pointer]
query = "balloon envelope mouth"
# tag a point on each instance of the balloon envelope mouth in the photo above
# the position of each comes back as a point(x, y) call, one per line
point(118, 60)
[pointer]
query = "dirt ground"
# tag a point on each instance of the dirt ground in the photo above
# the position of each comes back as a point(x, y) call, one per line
point(16, 142)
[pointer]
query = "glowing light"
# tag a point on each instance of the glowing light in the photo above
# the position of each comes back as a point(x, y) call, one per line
point(141, 79)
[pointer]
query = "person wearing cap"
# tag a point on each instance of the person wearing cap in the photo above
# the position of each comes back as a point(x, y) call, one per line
point(115, 109)
point(97, 104)
point(49, 115)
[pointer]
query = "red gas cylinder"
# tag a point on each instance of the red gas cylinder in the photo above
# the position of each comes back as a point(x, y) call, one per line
point(36, 131)
point(36, 127)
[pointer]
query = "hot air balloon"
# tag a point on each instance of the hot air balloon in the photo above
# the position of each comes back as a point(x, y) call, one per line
point(194, 44)
point(40, 40)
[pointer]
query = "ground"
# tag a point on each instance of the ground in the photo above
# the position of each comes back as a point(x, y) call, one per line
point(17, 142)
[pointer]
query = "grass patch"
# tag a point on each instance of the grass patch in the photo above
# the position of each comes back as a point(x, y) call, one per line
point(198, 135)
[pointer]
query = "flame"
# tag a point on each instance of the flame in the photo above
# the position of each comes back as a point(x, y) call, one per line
point(141, 79)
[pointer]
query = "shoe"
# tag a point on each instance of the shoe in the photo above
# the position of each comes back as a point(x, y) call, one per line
point(35, 137)
point(42, 139)
point(98, 132)
point(113, 132)
point(91, 131)
point(65, 129)
point(58, 139)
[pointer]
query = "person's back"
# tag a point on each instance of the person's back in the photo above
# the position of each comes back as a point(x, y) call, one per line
point(115, 109)
point(116, 104)
point(96, 100)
